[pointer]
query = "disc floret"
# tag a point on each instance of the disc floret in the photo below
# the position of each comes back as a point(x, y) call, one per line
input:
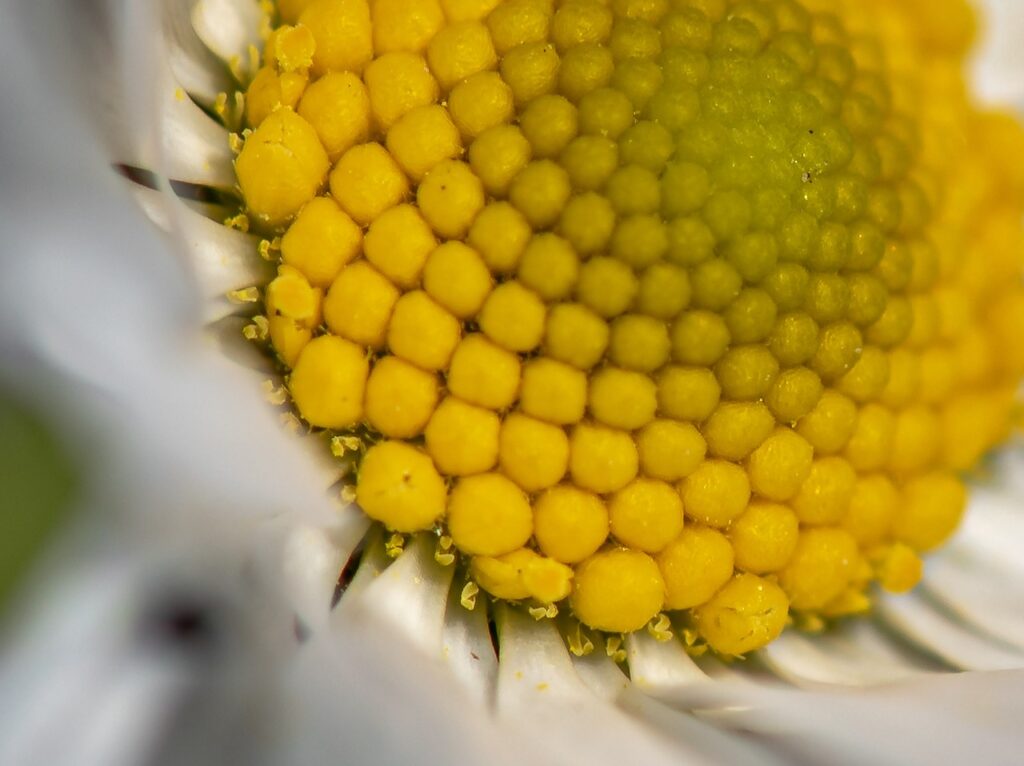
point(698, 306)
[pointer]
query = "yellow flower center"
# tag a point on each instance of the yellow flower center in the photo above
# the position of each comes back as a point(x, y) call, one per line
point(697, 306)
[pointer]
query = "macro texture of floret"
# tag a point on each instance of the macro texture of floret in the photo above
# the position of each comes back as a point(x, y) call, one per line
point(687, 306)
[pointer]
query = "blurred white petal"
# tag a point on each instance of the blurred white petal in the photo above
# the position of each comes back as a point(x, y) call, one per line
point(100, 311)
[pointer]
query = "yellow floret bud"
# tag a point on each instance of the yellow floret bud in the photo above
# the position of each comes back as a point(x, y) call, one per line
point(715, 284)
point(450, 197)
point(794, 394)
point(398, 243)
point(601, 459)
point(321, 241)
point(513, 317)
point(540, 191)
point(748, 613)
point(290, 295)
point(904, 379)
point(290, 10)
point(270, 90)
point(915, 441)
point(589, 161)
point(587, 221)
point(929, 511)
point(639, 79)
point(585, 68)
point(515, 22)
point(764, 537)
point(647, 144)
point(735, 429)
point(751, 317)
point(531, 70)
point(553, 391)
point(480, 102)
point(622, 399)
point(328, 381)
point(618, 591)
point(897, 567)
point(422, 138)
point(578, 22)
point(778, 468)
point(669, 450)
point(343, 34)
point(281, 167)
point(498, 155)
point(699, 338)
point(399, 398)
point(463, 439)
point(422, 332)
point(688, 393)
point(839, 347)
point(549, 266)
point(824, 497)
point(695, 565)
point(399, 486)
point(359, 304)
point(823, 564)
point(607, 112)
point(500, 233)
point(522, 574)
point(549, 124)
point(293, 313)
point(633, 190)
point(872, 507)
point(460, 50)
point(548, 580)
point(338, 107)
point(457, 278)
point(746, 372)
point(502, 576)
point(575, 335)
point(366, 181)
point(639, 343)
point(405, 25)
point(646, 515)
point(468, 10)
point(484, 373)
point(397, 83)
point(715, 493)
point(868, 377)
point(569, 523)
point(829, 426)
point(663, 291)
point(488, 515)
point(534, 454)
point(794, 339)
point(606, 285)
point(640, 240)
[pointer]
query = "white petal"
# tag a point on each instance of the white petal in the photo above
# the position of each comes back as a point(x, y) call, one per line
point(654, 663)
point(467, 648)
point(228, 27)
point(851, 654)
point(938, 633)
point(539, 689)
point(410, 595)
point(999, 61)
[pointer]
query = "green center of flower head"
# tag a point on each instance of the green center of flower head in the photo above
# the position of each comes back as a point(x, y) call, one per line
point(686, 306)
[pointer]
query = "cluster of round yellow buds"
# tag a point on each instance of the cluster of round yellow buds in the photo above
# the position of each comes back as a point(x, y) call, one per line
point(686, 305)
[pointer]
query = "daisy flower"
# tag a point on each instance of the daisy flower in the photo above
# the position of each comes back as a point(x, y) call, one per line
point(458, 379)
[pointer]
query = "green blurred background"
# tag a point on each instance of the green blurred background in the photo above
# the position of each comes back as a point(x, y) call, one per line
point(37, 484)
